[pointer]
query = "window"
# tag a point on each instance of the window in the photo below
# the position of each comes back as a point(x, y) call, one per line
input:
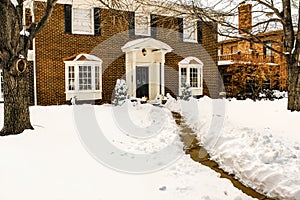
point(190, 71)
point(189, 30)
point(82, 21)
point(194, 77)
point(142, 24)
point(97, 78)
point(83, 77)
point(233, 49)
point(183, 76)
point(268, 52)
point(71, 78)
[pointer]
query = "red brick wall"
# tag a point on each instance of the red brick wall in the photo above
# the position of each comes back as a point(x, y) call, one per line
point(53, 45)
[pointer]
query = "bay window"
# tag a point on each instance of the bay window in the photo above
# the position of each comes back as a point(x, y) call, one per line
point(190, 71)
point(83, 79)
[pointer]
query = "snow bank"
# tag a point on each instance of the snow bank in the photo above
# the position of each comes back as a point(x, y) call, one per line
point(50, 162)
point(258, 142)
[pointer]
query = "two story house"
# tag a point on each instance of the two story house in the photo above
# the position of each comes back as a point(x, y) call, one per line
point(85, 47)
point(248, 67)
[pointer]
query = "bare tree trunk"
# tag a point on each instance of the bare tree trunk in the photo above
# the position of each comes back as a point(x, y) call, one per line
point(294, 88)
point(16, 106)
point(14, 45)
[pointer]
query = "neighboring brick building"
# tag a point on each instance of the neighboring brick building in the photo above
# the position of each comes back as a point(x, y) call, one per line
point(237, 57)
point(83, 50)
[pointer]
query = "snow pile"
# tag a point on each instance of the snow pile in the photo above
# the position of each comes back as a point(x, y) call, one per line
point(50, 162)
point(258, 142)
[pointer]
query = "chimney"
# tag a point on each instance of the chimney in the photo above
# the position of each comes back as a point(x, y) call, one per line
point(245, 18)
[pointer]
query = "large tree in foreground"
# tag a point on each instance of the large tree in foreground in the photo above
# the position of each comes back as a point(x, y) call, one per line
point(14, 45)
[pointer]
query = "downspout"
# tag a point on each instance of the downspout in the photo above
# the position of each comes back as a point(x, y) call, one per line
point(34, 61)
point(34, 73)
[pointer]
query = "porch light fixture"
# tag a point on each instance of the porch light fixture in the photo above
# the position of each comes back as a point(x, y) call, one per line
point(144, 52)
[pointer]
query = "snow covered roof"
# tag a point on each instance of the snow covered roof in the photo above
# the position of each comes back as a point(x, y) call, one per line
point(148, 43)
point(190, 60)
point(82, 57)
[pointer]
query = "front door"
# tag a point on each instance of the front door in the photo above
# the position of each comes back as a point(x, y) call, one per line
point(142, 82)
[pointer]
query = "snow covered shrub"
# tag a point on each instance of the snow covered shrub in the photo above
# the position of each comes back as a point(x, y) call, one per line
point(120, 92)
point(186, 92)
point(272, 94)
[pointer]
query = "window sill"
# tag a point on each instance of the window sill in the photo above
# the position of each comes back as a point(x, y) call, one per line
point(82, 33)
point(190, 41)
point(143, 34)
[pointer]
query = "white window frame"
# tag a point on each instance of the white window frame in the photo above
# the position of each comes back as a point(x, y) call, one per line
point(195, 90)
point(137, 30)
point(91, 22)
point(190, 24)
point(80, 94)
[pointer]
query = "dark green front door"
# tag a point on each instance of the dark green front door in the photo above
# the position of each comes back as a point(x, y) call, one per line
point(142, 82)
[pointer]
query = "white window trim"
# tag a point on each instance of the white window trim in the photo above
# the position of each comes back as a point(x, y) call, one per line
point(138, 14)
point(185, 20)
point(83, 94)
point(92, 22)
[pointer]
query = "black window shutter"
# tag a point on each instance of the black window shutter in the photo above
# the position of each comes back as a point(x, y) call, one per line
point(97, 21)
point(180, 29)
point(131, 24)
point(153, 25)
point(199, 32)
point(68, 19)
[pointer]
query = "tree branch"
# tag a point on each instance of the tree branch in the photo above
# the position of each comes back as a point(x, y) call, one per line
point(36, 28)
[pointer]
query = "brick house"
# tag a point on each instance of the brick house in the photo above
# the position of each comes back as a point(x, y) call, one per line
point(241, 54)
point(85, 48)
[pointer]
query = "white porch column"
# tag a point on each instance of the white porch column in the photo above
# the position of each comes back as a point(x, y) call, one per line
point(133, 72)
point(128, 73)
point(157, 67)
point(162, 73)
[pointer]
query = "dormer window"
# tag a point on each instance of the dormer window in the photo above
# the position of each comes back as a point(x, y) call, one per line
point(142, 24)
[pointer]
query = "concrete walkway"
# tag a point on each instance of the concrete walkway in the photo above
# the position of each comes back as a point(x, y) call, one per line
point(199, 154)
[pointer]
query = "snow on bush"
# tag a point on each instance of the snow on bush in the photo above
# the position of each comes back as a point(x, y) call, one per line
point(272, 94)
point(120, 92)
point(186, 92)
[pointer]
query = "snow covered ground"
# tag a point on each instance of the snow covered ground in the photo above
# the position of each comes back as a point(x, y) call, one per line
point(259, 141)
point(55, 161)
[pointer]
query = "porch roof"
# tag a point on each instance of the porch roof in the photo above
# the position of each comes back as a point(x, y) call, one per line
point(147, 43)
